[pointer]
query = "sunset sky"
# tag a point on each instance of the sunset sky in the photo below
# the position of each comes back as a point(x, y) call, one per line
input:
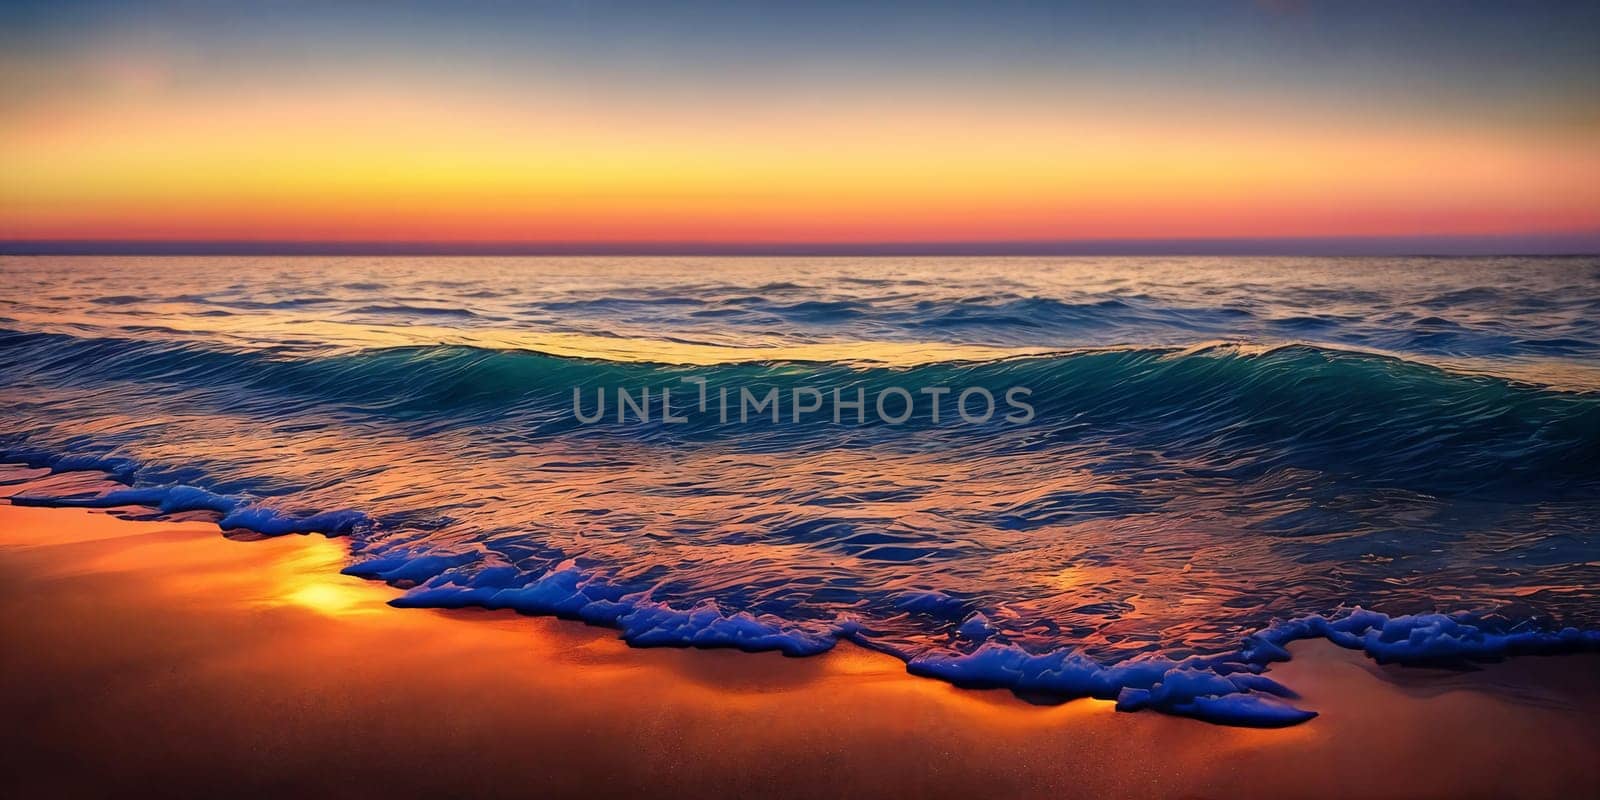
point(618, 122)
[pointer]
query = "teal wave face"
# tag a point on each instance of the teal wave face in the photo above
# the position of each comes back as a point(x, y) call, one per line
point(1161, 504)
point(1375, 419)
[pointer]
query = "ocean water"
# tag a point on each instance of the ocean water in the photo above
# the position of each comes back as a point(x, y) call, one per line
point(1222, 455)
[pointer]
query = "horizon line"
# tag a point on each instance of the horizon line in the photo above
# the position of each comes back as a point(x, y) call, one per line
point(1586, 243)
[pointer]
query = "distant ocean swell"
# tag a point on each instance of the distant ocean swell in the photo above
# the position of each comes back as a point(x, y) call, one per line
point(1335, 480)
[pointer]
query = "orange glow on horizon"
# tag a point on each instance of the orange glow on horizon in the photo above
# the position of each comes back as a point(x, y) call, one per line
point(367, 163)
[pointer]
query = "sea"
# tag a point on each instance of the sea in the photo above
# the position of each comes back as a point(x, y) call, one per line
point(1137, 479)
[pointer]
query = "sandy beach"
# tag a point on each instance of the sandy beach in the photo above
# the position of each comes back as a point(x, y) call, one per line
point(161, 656)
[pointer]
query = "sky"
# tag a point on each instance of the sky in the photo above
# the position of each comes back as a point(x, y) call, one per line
point(618, 125)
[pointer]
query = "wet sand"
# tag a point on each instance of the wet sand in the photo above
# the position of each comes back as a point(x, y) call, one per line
point(161, 657)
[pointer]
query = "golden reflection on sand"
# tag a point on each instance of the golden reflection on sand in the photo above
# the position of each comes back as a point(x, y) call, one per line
point(328, 598)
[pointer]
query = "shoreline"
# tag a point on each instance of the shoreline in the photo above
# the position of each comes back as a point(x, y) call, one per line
point(162, 654)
